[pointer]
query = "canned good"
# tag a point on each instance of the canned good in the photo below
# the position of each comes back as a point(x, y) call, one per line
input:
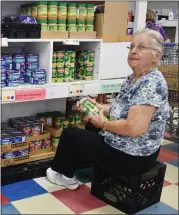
point(50, 121)
point(8, 155)
point(3, 69)
point(28, 10)
point(38, 73)
point(21, 80)
point(89, 73)
point(37, 144)
point(21, 72)
point(55, 141)
point(46, 142)
point(88, 108)
point(71, 119)
point(60, 74)
point(3, 84)
point(81, 72)
point(31, 146)
point(67, 74)
point(90, 58)
point(18, 136)
point(3, 77)
point(52, 10)
point(61, 25)
point(31, 65)
point(60, 58)
point(90, 11)
point(32, 58)
point(82, 57)
point(42, 10)
point(78, 118)
point(70, 59)
point(54, 80)
point(57, 122)
point(54, 60)
point(52, 25)
point(71, 25)
point(81, 11)
point(38, 81)
point(54, 73)
point(6, 139)
point(36, 129)
point(18, 62)
point(21, 153)
point(14, 83)
point(12, 76)
point(26, 128)
point(80, 25)
point(89, 25)
point(8, 60)
point(62, 10)
point(3, 61)
point(34, 10)
point(72, 13)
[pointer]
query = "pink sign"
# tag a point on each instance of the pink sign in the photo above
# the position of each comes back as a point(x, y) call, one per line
point(30, 94)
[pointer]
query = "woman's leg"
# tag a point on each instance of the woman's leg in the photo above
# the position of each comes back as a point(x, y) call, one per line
point(75, 144)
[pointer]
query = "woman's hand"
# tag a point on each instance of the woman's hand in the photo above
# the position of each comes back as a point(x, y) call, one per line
point(98, 121)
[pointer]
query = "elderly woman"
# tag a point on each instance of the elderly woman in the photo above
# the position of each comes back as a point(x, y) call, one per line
point(129, 142)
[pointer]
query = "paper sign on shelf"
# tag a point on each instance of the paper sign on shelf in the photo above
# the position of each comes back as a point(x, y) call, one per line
point(71, 42)
point(4, 42)
point(110, 88)
point(30, 94)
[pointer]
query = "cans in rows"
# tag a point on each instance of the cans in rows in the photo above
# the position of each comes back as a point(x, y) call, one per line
point(18, 153)
point(39, 144)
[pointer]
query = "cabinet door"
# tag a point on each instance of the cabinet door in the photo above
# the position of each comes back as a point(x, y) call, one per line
point(113, 60)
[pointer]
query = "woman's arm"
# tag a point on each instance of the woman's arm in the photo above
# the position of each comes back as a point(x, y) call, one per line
point(136, 124)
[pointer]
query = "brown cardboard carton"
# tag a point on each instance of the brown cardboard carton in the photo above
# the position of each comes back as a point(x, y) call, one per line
point(42, 156)
point(14, 147)
point(42, 151)
point(15, 161)
point(113, 23)
point(55, 132)
point(54, 35)
point(82, 35)
point(40, 137)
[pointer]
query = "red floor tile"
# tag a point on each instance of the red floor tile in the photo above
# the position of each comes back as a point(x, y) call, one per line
point(166, 183)
point(80, 200)
point(166, 155)
point(4, 200)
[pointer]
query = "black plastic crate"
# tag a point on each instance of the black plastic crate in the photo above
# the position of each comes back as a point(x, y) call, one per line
point(22, 31)
point(130, 194)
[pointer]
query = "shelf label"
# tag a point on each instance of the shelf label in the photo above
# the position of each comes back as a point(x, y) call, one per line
point(30, 94)
point(71, 42)
point(110, 88)
point(8, 95)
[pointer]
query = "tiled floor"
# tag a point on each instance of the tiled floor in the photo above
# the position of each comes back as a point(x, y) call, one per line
point(38, 196)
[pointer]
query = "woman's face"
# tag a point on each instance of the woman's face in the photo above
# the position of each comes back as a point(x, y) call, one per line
point(141, 55)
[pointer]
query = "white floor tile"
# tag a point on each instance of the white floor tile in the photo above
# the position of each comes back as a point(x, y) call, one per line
point(171, 174)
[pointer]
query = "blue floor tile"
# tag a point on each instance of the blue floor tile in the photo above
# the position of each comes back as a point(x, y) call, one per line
point(22, 190)
point(159, 208)
point(174, 162)
point(9, 209)
point(172, 147)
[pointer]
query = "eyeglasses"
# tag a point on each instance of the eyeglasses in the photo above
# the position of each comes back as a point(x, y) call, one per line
point(140, 47)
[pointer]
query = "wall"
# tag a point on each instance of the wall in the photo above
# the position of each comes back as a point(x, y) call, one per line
point(162, 4)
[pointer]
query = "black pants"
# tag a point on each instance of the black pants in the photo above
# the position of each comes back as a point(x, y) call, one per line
point(79, 146)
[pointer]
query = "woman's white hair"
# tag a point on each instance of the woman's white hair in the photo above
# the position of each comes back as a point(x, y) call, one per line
point(157, 40)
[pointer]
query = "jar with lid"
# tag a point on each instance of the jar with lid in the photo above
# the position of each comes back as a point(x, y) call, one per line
point(71, 25)
point(80, 25)
point(62, 10)
point(89, 25)
point(61, 25)
point(52, 25)
point(43, 22)
point(90, 11)
point(42, 10)
point(72, 13)
point(34, 10)
point(52, 10)
point(81, 11)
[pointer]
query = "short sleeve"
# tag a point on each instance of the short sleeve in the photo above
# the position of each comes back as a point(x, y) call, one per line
point(151, 91)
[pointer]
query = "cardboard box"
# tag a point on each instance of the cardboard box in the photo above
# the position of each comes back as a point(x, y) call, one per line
point(14, 147)
point(55, 132)
point(15, 161)
point(113, 22)
point(40, 137)
point(171, 74)
point(54, 35)
point(42, 151)
point(82, 35)
point(42, 156)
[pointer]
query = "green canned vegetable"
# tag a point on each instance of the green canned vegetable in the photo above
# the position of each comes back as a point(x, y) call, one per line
point(34, 10)
point(62, 10)
point(60, 74)
point(55, 141)
point(54, 73)
point(82, 11)
point(43, 22)
point(80, 25)
point(71, 25)
point(81, 72)
point(70, 58)
point(61, 25)
point(60, 58)
point(72, 13)
point(89, 25)
point(90, 11)
point(82, 58)
point(53, 80)
point(88, 73)
point(54, 60)
point(52, 10)
point(41, 10)
point(52, 25)
point(90, 57)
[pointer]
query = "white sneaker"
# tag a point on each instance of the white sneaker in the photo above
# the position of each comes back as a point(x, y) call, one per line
point(59, 179)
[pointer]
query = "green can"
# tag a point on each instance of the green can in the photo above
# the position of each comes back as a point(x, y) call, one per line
point(89, 25)
point(81, 72)
point(88, 108)
point(61, 25)
point(89, 73)
point(72, 13)
point(54, 60)
point(90, 58)
point(80, 25)
point(82, 58)
point(90, 11)
point(60, 58)
point(52, 10)
point(43, 22)
point(71, 119)
point(55, 141)
point(54, 72)
point(41, 10)
point(60, 74)
point(62, 10)
point(34, 10)
point(70, 58)
point(52, 25)
point(81, 11)
point(54, 80)
point(28, 11)
point(71, 25)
